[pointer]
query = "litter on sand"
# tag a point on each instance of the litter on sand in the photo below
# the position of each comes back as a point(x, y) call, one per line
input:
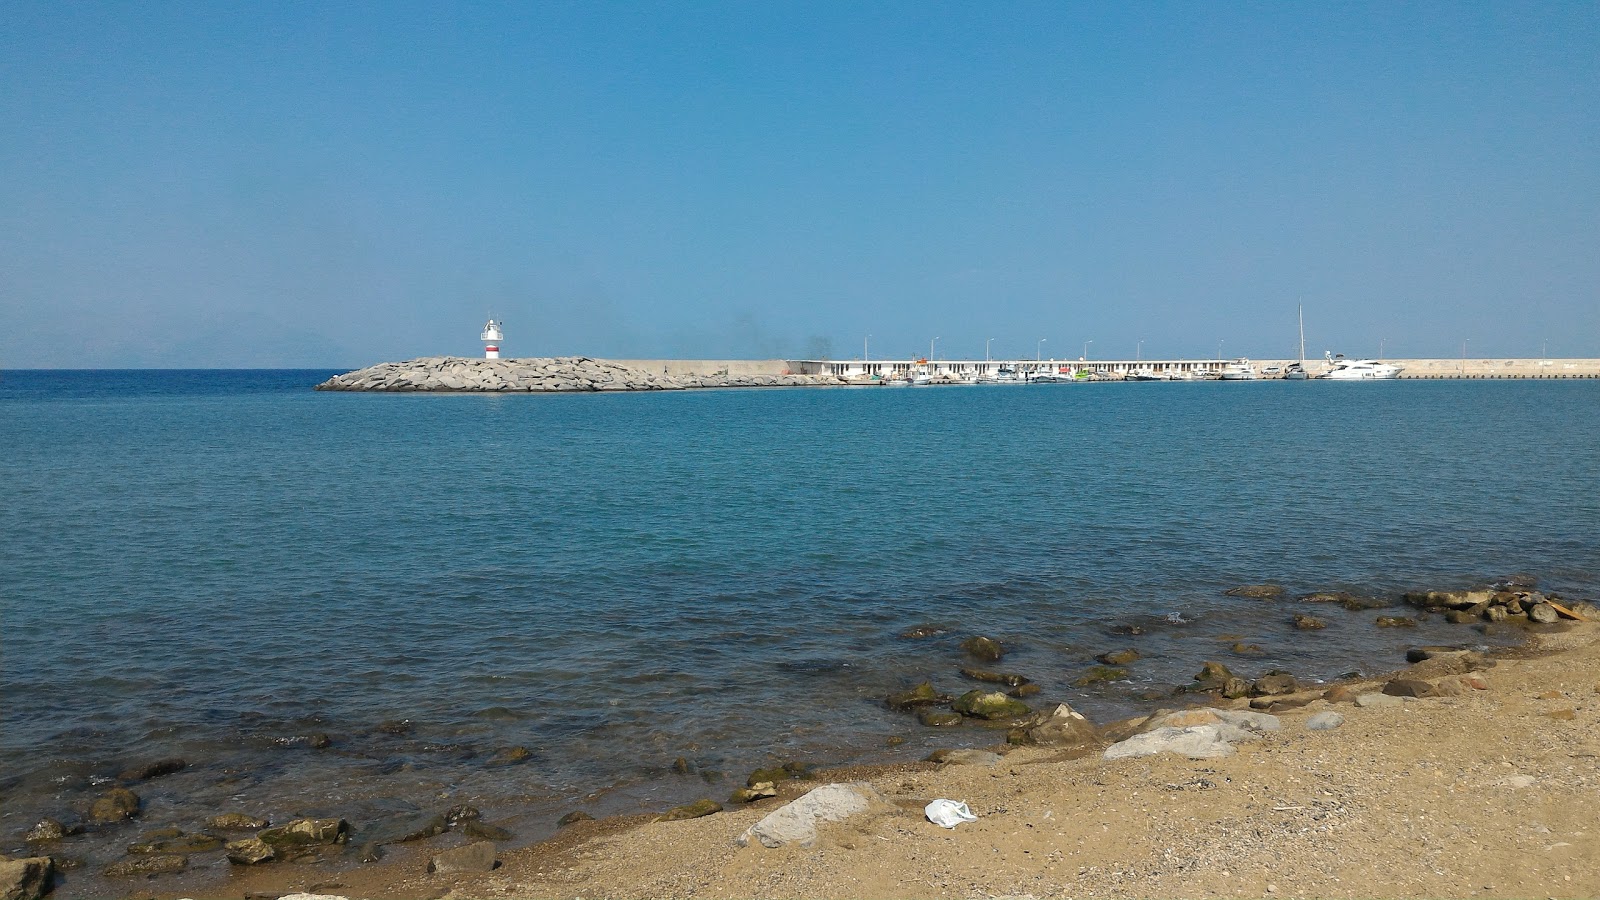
point(948, 813)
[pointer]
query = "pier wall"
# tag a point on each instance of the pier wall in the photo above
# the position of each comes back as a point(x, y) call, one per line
point(1411, 368)
point(692, 367)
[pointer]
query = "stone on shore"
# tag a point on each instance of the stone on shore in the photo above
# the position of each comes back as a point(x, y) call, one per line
point(1060, 727)
point(1324, 721)
point(25, 879)
point(483, 831)
point(1196, 742)
point(964, 757)
point(474, 857)
point(250, 852)
point(796, 822)
point(1410, 687)
point(695, 810)
point(1543, 614)
point(1376, 700)
point(307, 832)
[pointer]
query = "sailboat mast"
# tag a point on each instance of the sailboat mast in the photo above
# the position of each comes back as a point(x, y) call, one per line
point(1302, 334)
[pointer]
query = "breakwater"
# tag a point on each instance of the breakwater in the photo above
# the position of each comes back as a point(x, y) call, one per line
point(569, 374)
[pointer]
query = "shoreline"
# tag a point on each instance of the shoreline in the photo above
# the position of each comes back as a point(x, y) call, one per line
point(397, 875)
point(1473, 794)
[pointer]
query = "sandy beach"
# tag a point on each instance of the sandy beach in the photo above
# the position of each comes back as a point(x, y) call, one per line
point(1490, 792)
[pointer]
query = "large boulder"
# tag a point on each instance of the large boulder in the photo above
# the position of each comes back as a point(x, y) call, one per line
point(25, 879)
point(796, 822)
point(1197, 742)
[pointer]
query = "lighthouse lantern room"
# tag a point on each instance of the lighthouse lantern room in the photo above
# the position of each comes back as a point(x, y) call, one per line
point(492, 337)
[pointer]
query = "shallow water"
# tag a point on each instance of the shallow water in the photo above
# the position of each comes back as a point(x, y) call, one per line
point(216, 565)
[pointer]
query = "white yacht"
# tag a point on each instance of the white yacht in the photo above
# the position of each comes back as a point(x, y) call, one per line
point(1358, 369)
point(1240, 369)
point(1147, 375)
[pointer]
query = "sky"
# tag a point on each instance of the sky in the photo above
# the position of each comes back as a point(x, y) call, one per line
point(289, 184)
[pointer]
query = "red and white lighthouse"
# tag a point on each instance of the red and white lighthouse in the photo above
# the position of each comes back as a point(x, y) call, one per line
point(492, 337)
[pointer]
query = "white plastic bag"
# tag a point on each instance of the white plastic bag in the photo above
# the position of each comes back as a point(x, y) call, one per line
point(948, 813)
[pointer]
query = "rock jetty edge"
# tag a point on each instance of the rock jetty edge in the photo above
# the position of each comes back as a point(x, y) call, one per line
point(560, 374)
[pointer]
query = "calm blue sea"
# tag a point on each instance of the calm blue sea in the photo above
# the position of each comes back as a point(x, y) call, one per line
point(215, 565)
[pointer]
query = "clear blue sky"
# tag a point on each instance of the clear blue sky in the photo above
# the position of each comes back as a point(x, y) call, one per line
point(309, 184)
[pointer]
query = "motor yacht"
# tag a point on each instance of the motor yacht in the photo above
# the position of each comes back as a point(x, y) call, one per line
point(1240, 369)
point(1359, 369)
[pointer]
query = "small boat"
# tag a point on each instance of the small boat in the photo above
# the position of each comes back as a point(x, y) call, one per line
point(1240, 369)
point(1147, 375)
point(1359, 369)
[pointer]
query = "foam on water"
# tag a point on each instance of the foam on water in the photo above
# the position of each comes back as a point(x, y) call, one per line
point(216, 565)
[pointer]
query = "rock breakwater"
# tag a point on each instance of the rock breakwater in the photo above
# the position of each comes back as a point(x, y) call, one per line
point(447, 374)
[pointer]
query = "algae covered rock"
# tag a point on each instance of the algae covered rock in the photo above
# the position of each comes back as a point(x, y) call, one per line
point(938, 718)
point(693, 810)
point(1256, 591)
point(114, 806)
point(306, 833)
point(921, 695)
point(1100, 675)
point(981, 704)
point(1118, 657)
point(984, 648)
point(250, 852)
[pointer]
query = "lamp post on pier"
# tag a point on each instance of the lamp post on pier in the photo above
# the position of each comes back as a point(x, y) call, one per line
point(930, 349)
point(1086, 344)
point(1038, 350)
point(1138, 352)
point(986, 345)
point(1219, 348)
point(864, 347)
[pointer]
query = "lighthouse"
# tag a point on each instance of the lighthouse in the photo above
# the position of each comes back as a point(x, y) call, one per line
point(492, 337)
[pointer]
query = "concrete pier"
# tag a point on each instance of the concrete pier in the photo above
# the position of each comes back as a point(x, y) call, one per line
point(959, 369)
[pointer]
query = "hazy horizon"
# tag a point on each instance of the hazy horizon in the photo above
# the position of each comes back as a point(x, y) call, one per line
point(296, 185)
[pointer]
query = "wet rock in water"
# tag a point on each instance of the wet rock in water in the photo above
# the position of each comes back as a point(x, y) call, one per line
point(938, 718)
point(1100, 675)
point(1243, 649)
point(756, 792)
point(475, 857)
point(986, 649)
point(681, 766)
point(1010, 679)
point(250, 852)
point(1060, 727)
point(1274, 683)
point(1213, 673)
point(1410, 687)
point(25, 879)
point(693, 810)
point(1024, 690)
point(146, 866)
point(48, 829)
point(483, 831)
point(576, 815)
point(406, 828)
point(509, 756)
point(1495, 614)
point(925, 630)
point(796, 822)
point(1361, 604)
point(1118, 657)
point(1396, 622)
point(396, 727)
point(236, 822)
point(1517, 580)
point(497, 714)
point(1128, 629)
point(1308, 623)
point(307, 832)
point(156, 769)
point(775, 774)
point(1326, 597)
point(114, 806)
point(457, 815)
point(921, 695)
point(177, 844)
point(980, 704)
point(1461, 617)
point(1256, 591)
point(1543, 614)
point(1324, 721)
point(318, 740)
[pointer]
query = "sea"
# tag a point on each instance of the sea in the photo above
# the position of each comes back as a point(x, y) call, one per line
point(378, 605)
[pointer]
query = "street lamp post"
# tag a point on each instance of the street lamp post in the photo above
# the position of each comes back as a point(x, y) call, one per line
point(1038, 350)
point(1138, 352)
point(864, 347)
point(1219, 348)
point(930, 349)
point(1380, 348)
point(1086, 348)
point(986, 344)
